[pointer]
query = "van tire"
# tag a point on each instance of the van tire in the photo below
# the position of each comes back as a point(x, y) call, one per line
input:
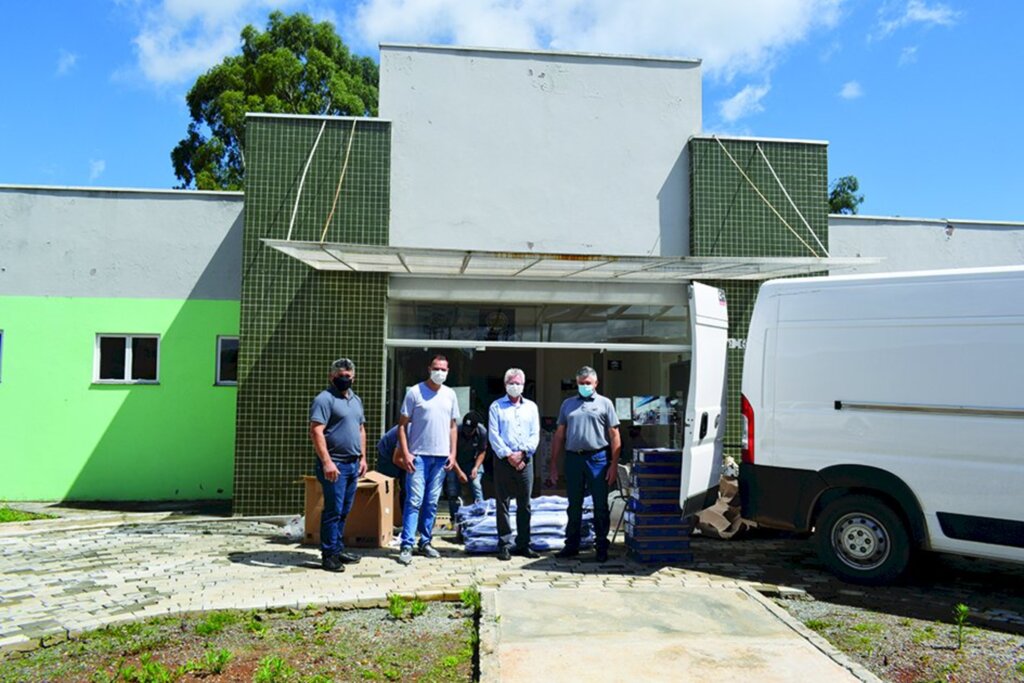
point(863, 540)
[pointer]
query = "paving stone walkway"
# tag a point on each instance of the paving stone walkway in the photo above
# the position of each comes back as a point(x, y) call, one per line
point(76, 577)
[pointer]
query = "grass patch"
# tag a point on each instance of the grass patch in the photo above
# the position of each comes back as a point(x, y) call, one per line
point(273, 669)
point(9, 514)
point(215, 622)
point(270, 646)
point(818, 625)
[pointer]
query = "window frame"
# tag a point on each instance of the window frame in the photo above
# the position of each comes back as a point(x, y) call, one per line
point(217, 381)
point(128, 337)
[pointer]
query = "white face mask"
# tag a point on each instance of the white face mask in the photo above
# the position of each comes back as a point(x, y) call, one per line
point(438, 376)
point(514, 390)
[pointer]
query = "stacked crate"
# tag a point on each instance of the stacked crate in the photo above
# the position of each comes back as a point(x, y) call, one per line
point(655, 529)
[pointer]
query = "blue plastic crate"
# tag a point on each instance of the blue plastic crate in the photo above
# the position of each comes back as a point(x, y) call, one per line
point(648, 531)
point(652, 493)
point(660, 557)
point(666, 480)
point(651, 455)
point(647, 544)
point(649, 519)
point(657, 467)
point(653, 506)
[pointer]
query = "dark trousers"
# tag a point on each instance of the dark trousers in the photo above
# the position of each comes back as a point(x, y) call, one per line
point(338, 497)
point(583, 473)
point(510, 483)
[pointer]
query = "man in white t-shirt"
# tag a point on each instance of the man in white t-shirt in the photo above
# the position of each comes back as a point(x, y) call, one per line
point(427, 438)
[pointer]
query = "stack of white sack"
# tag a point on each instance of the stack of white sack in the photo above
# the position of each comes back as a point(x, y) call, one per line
point(548, 517)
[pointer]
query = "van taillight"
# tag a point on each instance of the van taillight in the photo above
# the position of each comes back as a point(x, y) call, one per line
point(747, 441)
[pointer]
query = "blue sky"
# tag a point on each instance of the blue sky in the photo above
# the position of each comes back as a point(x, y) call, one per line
point(920, 99)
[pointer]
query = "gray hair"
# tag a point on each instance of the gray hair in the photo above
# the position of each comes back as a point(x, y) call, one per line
point(342, 364)
point(514, 372)
point(586, 371)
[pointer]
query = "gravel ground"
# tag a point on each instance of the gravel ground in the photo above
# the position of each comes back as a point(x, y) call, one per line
point(906, 650)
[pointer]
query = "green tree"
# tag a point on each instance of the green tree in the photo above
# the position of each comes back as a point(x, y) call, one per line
point(843, 197)
point(296, 66)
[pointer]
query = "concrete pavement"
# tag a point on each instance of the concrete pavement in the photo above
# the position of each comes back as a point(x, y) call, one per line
point(62, 577)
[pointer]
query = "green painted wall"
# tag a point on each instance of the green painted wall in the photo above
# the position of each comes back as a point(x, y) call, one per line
point(65, 438)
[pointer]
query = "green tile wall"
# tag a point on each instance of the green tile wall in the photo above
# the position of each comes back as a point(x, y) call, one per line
point(296, 320)
point(728, 218)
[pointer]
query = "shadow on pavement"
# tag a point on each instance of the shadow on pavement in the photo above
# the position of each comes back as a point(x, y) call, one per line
point(275, 559)
point(991, 589)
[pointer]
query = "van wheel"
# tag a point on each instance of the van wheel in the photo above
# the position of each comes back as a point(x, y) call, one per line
point(862, 540)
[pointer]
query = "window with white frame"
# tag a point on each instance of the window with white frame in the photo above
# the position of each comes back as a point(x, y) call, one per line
point(227, 361)
point(127, 359)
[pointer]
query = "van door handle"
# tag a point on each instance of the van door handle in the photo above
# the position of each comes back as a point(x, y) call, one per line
point(703, 426)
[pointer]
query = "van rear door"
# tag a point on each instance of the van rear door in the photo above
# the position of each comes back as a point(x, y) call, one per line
point(705, 404)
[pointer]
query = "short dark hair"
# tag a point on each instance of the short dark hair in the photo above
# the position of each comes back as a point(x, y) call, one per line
point(437, 356)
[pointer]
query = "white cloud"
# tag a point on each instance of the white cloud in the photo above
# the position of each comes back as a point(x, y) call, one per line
point(908, 55)
point(96, 168)
point(730, 40)
point(744, 103)
point(179, 39)
point(851, 90)
point(915, 12)
point(66, 61)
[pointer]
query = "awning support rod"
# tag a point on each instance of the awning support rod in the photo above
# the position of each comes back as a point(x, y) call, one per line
point(302, 180)
point(765, 199)
point(344, 167)
point(790, 199)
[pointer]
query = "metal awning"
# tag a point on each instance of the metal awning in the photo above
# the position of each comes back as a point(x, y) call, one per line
point(420, 261)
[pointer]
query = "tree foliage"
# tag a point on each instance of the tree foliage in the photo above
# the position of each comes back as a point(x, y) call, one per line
point(843, 197)
point(296, 66)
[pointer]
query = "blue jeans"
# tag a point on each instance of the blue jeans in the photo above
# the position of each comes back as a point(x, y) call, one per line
point(338, 497)
point(453, 490)
point(587, 473)
point(421, 499)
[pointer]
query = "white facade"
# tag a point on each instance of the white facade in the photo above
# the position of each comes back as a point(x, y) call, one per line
point(534, 151)
point(144, 244)
point(924, 244)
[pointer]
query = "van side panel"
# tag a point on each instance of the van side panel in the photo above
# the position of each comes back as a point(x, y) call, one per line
point(931, 343)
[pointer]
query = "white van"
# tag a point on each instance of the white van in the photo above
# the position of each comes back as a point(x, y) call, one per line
point(886, 412)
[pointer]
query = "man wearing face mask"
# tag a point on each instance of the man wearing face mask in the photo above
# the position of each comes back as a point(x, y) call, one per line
point(471, 450)
point(427, 438)
point(514, 427)
point(337, 429)
point(588, 431)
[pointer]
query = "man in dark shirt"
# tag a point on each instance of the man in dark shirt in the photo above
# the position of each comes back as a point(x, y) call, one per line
point(337, 429)
point(470, 450)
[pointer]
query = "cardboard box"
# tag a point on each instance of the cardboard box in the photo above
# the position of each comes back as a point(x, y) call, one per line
point(371, 519)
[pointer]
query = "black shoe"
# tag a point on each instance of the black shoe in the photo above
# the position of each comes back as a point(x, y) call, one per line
point(332, 563)
point(348, 558)
point(504, 555)
point(526, 552)
point(601, 555)
point(567, 552)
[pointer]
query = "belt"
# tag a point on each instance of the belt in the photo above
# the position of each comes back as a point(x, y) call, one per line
point(345, 459)
point(587, 451)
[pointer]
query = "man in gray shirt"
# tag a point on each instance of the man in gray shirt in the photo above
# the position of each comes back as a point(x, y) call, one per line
point(588, 432)
point(337, 429)
point(427, 437)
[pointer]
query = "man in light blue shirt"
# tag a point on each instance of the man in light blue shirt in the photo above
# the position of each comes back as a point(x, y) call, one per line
point(426, 438)
point(513, 427)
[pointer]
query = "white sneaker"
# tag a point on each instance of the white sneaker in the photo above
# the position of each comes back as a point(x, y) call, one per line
point(427, 550)
point(405, 556)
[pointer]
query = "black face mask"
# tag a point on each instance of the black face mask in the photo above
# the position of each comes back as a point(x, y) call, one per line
point(342, 383)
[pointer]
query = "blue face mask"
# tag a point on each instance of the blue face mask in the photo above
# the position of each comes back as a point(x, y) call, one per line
point(586, 391)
